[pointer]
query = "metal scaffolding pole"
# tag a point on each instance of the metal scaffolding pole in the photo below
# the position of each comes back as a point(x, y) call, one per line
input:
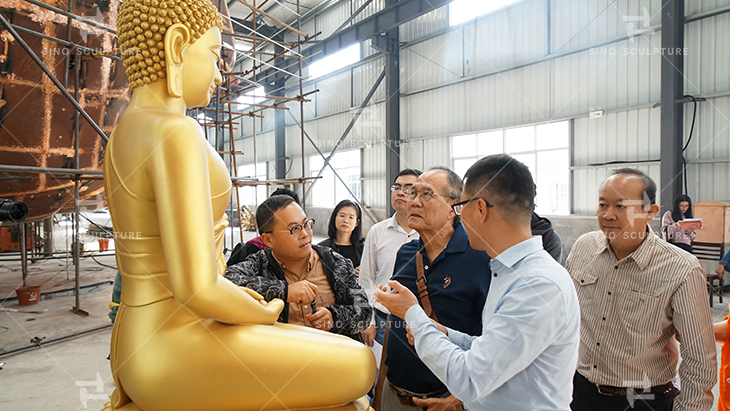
point(77, 200)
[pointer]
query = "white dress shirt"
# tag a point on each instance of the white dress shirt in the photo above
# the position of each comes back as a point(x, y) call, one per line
point(525, 358)
point(378, 257)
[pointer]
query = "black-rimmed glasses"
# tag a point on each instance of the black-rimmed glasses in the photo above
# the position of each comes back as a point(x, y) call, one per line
point(460, 205)
point(424, 195)
point(405, 188)
point(296, 229)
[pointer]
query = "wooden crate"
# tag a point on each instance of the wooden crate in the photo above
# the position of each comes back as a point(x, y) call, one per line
point(715, 217)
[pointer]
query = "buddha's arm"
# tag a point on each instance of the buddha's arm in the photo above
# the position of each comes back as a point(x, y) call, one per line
point(252, 273)
point(351, 313)
point(178, 170)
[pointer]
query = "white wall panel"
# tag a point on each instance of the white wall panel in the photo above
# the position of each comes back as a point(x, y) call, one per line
point(427, 24)
point(577, 24)
point(706, 64)
point(335, 93)
point(364, 77)
point(505, 39)
point(432, 62)
point(374, 186)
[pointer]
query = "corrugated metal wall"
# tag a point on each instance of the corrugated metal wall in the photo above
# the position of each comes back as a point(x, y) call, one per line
point(535, 61)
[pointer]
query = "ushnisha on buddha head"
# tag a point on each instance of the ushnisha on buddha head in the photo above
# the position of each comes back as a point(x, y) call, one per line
point(142, 26)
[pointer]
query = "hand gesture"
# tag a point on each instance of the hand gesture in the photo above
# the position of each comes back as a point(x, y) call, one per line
point(720, 270)
point(302, 292)
point(368, 335)
point(398, 300)
point(321, 320)
point(449, 403)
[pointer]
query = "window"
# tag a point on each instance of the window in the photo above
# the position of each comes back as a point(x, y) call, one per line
point(464, 10)
point(254, 96)
point(334, 62)
point(253, 196)
point(543, 148)
point(328, 191)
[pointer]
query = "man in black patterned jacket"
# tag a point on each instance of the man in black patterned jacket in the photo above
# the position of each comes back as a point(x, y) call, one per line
point(319, 285)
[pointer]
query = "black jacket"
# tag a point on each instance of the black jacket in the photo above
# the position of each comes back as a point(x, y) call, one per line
point(551, 241)
point(351, 312)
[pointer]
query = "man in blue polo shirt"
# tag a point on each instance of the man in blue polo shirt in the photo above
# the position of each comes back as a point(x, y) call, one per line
point(457, 278)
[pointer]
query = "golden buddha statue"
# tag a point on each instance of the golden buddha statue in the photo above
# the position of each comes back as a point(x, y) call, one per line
point(185, 338)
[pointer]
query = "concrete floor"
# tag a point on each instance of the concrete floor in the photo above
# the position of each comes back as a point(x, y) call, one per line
point(72, 374)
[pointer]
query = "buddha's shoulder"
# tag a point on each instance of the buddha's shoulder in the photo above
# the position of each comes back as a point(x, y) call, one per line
point(158, 126)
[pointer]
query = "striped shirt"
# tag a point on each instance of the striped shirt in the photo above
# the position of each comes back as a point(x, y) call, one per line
point(631, 308)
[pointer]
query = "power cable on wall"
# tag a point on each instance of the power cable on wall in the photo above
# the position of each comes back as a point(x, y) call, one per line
point(684, 160)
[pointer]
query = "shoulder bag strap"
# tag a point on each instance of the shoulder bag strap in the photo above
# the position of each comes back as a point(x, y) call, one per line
point(423, 288)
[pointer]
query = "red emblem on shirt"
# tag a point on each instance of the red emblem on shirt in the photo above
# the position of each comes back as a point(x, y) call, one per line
point(447, 281)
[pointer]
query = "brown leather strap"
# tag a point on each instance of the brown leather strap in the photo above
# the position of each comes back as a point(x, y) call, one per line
point(383, 370)
point(423, 288)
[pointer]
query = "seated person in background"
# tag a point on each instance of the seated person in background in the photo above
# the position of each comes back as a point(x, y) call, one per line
point(672, 232)
point(252, 246)
point(299, 273)
point(345, 232)
point(723, 266)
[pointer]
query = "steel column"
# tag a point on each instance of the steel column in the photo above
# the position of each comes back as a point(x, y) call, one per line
point(392, 106)
point(672, 90)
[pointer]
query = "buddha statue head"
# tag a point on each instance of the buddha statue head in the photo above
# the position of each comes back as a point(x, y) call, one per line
point(176, 41)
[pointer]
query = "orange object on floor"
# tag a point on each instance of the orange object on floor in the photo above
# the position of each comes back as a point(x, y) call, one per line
point(723, 403)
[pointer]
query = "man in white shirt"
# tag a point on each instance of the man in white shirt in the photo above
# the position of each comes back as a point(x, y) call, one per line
point(381, 246)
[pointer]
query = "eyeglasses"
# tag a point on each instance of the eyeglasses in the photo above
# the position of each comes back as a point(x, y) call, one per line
point(296, 229)
point(397, 187)
point(460, 205)
point(425, 195)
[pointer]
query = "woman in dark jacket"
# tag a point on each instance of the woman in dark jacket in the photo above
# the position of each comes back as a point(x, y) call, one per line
point(345, 232)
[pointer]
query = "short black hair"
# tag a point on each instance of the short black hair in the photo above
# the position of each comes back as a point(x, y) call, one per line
point(356, 234)
point(265, 212)
point(649, 190)
point(506, 182)
point(453, 188)
point(286, 192)
point(408, 172)
point(677, 213)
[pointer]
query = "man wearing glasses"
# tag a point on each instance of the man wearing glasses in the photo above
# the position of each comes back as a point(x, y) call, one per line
point(318, 284)
point(381, 245)
point(457, 280)
point(526, 355)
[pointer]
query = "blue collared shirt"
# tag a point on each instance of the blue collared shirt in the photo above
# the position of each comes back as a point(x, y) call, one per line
point(458, 281)
point(526, 356)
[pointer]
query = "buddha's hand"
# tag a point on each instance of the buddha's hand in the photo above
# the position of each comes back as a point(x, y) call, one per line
point(254, 294)
point(275, 305)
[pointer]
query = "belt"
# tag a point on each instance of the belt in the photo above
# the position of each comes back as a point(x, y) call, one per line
point(406, 397)
point(381, 314)
point(623, 391)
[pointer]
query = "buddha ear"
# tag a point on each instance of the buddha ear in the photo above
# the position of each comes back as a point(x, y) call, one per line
point(177, 38)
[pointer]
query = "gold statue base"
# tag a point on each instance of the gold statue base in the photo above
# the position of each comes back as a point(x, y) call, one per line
point(361, 404)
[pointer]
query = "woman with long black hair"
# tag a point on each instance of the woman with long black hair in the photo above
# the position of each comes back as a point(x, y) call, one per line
point(345, 232)
point(671, 230)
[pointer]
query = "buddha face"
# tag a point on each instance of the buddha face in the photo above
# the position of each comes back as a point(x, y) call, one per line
point(200, 69)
